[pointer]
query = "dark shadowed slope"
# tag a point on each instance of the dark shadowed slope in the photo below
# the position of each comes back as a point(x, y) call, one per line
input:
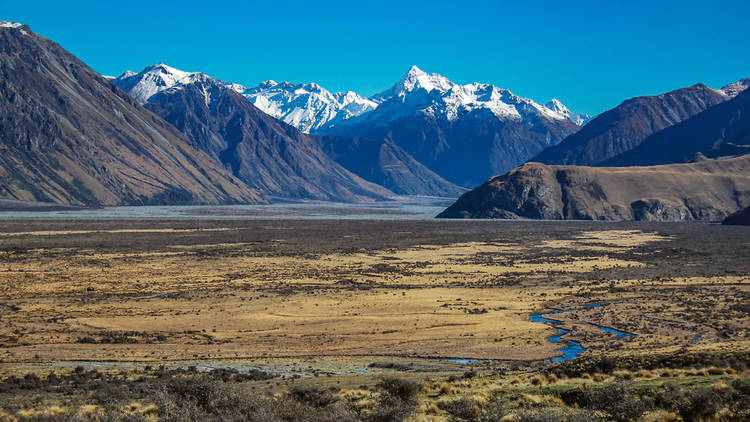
point(627, 125)
point(69, 136)
point(384, 163)
point(722, 130)
point(267, 154)
point(740, 218)
point(709, 190)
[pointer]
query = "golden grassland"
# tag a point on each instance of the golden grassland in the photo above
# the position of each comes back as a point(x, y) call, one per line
point(342, 303)
point(214, 299)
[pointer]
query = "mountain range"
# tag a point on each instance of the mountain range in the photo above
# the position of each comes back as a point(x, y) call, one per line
point(462, 133)
point(267, 154)
point(649, 183)
point(275, 158)
point(166, 136)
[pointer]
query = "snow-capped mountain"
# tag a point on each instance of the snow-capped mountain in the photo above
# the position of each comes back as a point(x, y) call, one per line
point(436, 95)
point(155, 79)
point(307, 106)
point(312, 109)
point(465, 133)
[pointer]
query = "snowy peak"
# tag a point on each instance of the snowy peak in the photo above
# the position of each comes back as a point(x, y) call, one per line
point(306, 106)
point(13, 25)
point(559, 108)
point(735, 88)
point(434, 94)
point(556, 106)
point(415, 79)
point(154, 79)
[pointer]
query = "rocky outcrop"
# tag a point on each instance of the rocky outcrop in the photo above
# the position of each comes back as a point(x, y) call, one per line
point(705, 191)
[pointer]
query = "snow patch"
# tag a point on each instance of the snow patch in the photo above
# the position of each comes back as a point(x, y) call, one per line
point(307, 106)
point(14, 25)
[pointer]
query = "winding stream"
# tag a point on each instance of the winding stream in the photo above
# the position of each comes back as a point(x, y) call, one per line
point(572, 349)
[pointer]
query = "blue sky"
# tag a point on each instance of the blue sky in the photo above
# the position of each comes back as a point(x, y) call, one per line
point(590, 54)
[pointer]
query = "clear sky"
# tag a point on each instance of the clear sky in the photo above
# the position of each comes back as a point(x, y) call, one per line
point(590, 54)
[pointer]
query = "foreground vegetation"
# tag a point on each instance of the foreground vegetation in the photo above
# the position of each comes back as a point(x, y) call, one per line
point(664, 394)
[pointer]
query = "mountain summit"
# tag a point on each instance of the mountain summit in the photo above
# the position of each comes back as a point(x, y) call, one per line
point(465, 133)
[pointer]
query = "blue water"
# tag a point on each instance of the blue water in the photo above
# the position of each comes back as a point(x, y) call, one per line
point(697, 337)
point(572, 349)
point(618, 333)
point(462, 361)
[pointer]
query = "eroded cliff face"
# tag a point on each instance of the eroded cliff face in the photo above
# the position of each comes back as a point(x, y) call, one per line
point(705, 191)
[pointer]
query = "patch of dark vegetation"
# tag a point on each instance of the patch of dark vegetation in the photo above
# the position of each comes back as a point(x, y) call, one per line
point(681, 359)
point(81, 380)
point(123, 337)
point(206, 397)
point(390, 365)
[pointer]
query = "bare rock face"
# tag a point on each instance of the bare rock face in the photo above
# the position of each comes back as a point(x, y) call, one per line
point(623, 128)
point(705, 191)
point(69, 136)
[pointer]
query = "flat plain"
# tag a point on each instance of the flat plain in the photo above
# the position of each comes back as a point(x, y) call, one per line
point(353, 299)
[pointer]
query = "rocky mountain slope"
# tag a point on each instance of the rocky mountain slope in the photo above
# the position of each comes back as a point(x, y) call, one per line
point(384, 163)
point(627, 125)
point(707, 191)
point(69, 136)
point(721, 130)
point(267, 154)
point(464, 133)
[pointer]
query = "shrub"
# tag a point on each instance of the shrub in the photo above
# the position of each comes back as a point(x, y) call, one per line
point(401, 389)
point(463, 409)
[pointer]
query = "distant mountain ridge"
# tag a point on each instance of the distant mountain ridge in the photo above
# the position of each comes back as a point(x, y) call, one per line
point(69, 136)
point(505, 129)
point(624, 127)
point(721, 130)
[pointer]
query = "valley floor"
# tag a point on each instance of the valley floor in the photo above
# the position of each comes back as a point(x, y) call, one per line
point(351, 300)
